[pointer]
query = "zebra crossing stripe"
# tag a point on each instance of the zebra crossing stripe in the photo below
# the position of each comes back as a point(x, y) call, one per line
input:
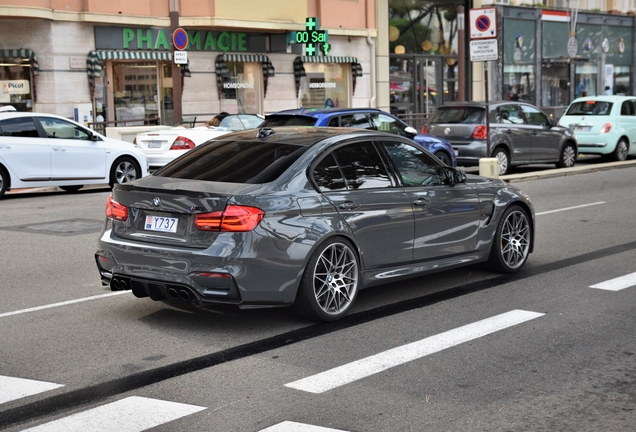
point(17, 388)
point(385, 360)
point(618, 283)
point(132, 414)
point(288, 426)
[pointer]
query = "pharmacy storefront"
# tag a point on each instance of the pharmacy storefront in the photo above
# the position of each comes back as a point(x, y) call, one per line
point(130, 71)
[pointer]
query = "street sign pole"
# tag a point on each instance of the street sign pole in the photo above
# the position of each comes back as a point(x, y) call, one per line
point(487, 110)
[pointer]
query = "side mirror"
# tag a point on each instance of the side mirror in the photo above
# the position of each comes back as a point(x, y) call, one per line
point(455, 176)
point(410, 130)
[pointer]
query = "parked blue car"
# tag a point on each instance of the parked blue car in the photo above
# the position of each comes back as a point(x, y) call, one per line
point(362, 118)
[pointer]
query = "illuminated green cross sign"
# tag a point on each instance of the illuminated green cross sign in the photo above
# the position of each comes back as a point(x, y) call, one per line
point(313, 38)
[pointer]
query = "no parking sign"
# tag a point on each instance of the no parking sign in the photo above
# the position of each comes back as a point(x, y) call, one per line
point(483, 23)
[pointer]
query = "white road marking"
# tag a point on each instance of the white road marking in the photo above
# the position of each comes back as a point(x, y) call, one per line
point(17, 388)
point(33, 309)
point(132, 414)
point(618, 283)
point(288, 426)
point(570, 208)
point(363, 368)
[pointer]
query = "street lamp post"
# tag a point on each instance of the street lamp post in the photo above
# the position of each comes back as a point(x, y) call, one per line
point(176, 71)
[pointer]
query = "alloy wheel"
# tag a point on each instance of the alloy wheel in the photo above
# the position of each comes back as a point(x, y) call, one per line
point(335, 279)
point(125, 172)
point(515, 239)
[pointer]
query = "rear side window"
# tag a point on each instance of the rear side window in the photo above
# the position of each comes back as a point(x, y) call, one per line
point(19, 127)
point(590, 108)
point(287, 120)
point(234, 162)
point(358, 120)
point(470, 115)
point(354, 166)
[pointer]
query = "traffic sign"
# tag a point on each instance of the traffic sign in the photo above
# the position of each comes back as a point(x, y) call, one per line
point(484, 50)
point(483, 23)
point(180, 39)
point(181, 57)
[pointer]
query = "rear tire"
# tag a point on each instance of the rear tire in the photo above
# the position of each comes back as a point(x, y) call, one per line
point(511, 244)
point(568, 156)
point(504, 160)
point(330, 282)
point(4, 181)
point(71, 189)
point(620, 152)
point(124, 170)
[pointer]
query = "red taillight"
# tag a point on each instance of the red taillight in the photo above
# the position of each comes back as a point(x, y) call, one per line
point(182, 143)
point(232, 219)
point(480, 132)
point(116, 211)
point(425, 130)
point(606, 128)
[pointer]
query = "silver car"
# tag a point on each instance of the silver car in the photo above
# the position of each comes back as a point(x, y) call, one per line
point(520, 134)
point(305, 217)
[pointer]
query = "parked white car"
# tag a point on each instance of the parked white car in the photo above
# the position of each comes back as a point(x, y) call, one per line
point(38, 150)
point(165, 145)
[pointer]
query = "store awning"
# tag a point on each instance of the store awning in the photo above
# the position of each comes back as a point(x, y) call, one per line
point(299, 69)
point(23, 53)
point(95, 59)
point(222, 71)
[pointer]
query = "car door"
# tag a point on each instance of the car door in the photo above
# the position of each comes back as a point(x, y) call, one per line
point(546, 140)
point(446, 215)
point(23, 151)
point(354, 178)
point(511, 125)
point(74, 155)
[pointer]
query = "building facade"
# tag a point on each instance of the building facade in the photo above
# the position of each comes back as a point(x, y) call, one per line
point(90, 58)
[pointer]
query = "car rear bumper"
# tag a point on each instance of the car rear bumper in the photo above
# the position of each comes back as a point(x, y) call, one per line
point(468, 154)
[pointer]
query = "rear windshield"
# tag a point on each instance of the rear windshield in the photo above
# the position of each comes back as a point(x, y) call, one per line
point(234, 162)
point(589, 108)
point(459, 115)
point(287, 120)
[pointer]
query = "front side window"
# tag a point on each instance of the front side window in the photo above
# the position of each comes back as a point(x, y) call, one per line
point(415, 167)
point(358, 120)
point(19, 127)
point(56, 128)
point(534, 116)
point(385, 123)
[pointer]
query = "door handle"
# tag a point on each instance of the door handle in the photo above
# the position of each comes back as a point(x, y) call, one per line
point(58, 148)
point(421, 202)
point(5, 146)
point(349, 205)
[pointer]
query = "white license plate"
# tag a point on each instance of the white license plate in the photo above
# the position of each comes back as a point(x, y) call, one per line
point(582, 128)
point(160, 223)
point(154, 144)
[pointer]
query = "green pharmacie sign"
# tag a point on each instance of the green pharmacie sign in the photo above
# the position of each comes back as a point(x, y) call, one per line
point(158, 39)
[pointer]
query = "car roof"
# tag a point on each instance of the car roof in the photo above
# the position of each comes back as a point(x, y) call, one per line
point(604, 98)
point(315, 112)
point(299, 135)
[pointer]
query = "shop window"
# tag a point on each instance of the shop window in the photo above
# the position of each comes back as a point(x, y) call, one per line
point(326, 85)
point(518, 82)
point(135, 92)
point(242, 88)
point(15, 82)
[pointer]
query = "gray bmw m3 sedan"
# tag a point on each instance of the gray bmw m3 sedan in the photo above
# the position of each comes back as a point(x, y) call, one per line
point(305, 217)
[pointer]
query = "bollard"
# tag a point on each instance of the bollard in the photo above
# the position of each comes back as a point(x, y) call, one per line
point(489, 167)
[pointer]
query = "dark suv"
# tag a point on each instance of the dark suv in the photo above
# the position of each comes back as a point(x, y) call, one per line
point(362, 118)
point(520, 134)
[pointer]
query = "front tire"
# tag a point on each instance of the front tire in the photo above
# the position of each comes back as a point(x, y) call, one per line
point(330, 282)
point(568, 156)
point(504, 160)
point(124, 170)
point(511, 245)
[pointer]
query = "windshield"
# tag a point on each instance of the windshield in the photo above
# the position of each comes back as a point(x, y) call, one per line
point(459, 115)
point(590, 108)
point(288, 120)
